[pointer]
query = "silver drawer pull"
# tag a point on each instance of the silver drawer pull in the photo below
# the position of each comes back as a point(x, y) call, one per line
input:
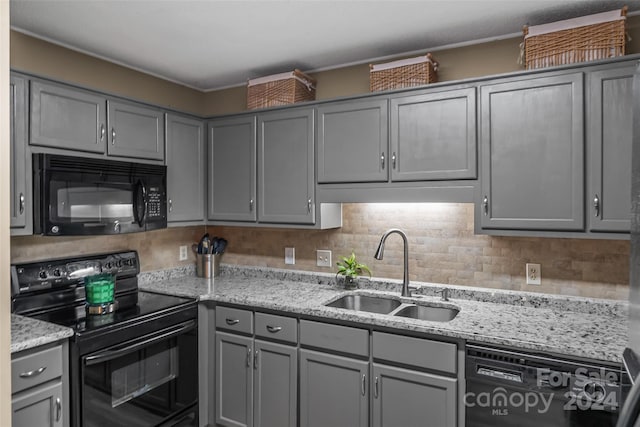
point(33, 373)
point(232, 322)
point(274, 329)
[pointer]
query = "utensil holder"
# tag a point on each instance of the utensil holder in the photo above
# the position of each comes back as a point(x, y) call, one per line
point(208, 265)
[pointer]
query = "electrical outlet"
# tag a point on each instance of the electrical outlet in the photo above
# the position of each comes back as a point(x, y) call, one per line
point(323, 258)
point(183, 253)
point(290, 256)
point(534, 274)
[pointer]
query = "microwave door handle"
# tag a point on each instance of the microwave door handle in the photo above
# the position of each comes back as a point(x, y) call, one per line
point(140, 216)
point(114, 354)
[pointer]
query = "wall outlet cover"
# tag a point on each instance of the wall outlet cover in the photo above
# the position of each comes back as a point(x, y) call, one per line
point(534, 274)
point(323, 258)
point(183, 253)
point(290, 256)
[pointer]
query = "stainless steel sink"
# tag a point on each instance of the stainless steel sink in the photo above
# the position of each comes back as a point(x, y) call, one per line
point(371, 304)
point(425, 312)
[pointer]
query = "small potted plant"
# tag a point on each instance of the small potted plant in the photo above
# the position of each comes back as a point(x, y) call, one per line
point(350, 268)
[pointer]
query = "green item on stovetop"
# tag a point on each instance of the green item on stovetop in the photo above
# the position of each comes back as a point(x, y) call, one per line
point(99, 289)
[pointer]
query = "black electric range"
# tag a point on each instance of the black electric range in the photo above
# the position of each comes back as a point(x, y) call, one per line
point(111, 354)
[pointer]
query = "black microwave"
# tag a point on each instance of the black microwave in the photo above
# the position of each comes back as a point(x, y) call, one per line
point(81, 196)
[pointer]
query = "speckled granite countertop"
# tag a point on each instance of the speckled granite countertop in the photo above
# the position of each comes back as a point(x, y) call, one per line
point(28, 333)
point(570, 326)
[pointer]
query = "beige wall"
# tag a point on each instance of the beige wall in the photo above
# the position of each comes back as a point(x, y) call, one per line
point(5, 309)
point(443, 246)
point(40, 57)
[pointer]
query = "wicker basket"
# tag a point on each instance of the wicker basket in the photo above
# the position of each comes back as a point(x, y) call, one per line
point(409, 72)
point(581, 39)
point(280, 89)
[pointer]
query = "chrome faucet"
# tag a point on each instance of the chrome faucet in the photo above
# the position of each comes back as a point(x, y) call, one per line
point(406, 292)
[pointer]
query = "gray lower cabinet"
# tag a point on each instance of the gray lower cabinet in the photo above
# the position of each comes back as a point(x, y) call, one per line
point(275, 385)
point(232, 169)
point(532, 141)
point(333, 390)
point(20, 176)
point(40, 392)
point(186, 168)
point(234, 380)
point(403, 397)
point(135, 131)
point(610, 125)
point(353, 141)
point(256, 379)
point(433, 136)
point(66, 117)
point(286, 179)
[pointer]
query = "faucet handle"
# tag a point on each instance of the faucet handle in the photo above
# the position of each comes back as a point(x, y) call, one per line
point(445, 293)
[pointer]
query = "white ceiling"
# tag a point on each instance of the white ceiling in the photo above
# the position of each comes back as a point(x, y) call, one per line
point(210, 44)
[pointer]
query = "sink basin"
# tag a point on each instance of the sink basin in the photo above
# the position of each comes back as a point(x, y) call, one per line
point(424, 312)
point(379, 305)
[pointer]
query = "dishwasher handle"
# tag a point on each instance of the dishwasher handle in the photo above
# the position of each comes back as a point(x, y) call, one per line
point(501, 374)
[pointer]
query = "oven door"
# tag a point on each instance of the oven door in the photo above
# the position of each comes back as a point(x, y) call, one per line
point(149, 381)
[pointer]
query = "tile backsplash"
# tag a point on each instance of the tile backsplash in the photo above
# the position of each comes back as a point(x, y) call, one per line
point(442, 249)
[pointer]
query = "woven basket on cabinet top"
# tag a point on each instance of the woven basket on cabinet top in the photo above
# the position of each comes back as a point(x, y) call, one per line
point(409, 72)
point(586, 38)
point(280, 89)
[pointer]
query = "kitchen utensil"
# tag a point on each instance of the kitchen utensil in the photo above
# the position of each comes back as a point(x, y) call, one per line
point(201, 243)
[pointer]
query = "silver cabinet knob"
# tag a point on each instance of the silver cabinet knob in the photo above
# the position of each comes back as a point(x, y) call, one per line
point(309, 206)
point(102, 132)
point(382, 160)
point(251, 205)
point(596, 206)
point(170, 205)
point(393, 160)
point(485, 205)
point(113, 136)
point(21, 203)
point(58, 409)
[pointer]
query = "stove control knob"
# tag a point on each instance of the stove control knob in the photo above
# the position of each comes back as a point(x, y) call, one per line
point(42, 274)
point(119, 263)
point(55, 229)
point(56, 272)
point(594, 391)
point(108, 265)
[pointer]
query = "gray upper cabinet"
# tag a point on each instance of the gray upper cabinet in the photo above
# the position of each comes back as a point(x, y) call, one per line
point(403, 397)
point(285, 167)
point(232, 169)
point(69, 118)
point(532, 136)
point(333, 390)
point(20, 177)
point(433, 136)
point(135, 131)
point(186, 168)
point(610, 139)
point(353, 141)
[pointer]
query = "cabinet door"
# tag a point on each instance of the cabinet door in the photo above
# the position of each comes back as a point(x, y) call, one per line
point(18, 160)
point(186, 168)
point(232, 169)
point(433, 136)
point(234, 380)
point(403, 397)
point(352, 141)
point(276, 385)
point(135, 131)
point(533, 154)
point(285, 167)
point(65, 117)
point(333, 390)
point(610, 141)
point(39, 406)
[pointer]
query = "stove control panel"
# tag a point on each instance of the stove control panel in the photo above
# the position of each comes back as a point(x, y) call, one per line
point(42, 275)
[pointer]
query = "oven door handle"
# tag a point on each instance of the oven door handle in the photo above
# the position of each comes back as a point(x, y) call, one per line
point(113, 354)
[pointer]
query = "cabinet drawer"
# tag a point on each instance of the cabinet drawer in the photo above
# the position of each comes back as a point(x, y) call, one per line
point(421, 353)
point(277, 327)
point(234, 319)
point(334, 337)
point(35, 368)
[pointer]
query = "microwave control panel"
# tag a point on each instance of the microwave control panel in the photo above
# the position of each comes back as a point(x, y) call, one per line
point(154, 202)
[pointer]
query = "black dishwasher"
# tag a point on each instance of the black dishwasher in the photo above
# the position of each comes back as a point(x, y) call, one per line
point(510, 388)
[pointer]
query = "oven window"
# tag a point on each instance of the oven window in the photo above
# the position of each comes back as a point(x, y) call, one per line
point(80, 202)
point(140, 383)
